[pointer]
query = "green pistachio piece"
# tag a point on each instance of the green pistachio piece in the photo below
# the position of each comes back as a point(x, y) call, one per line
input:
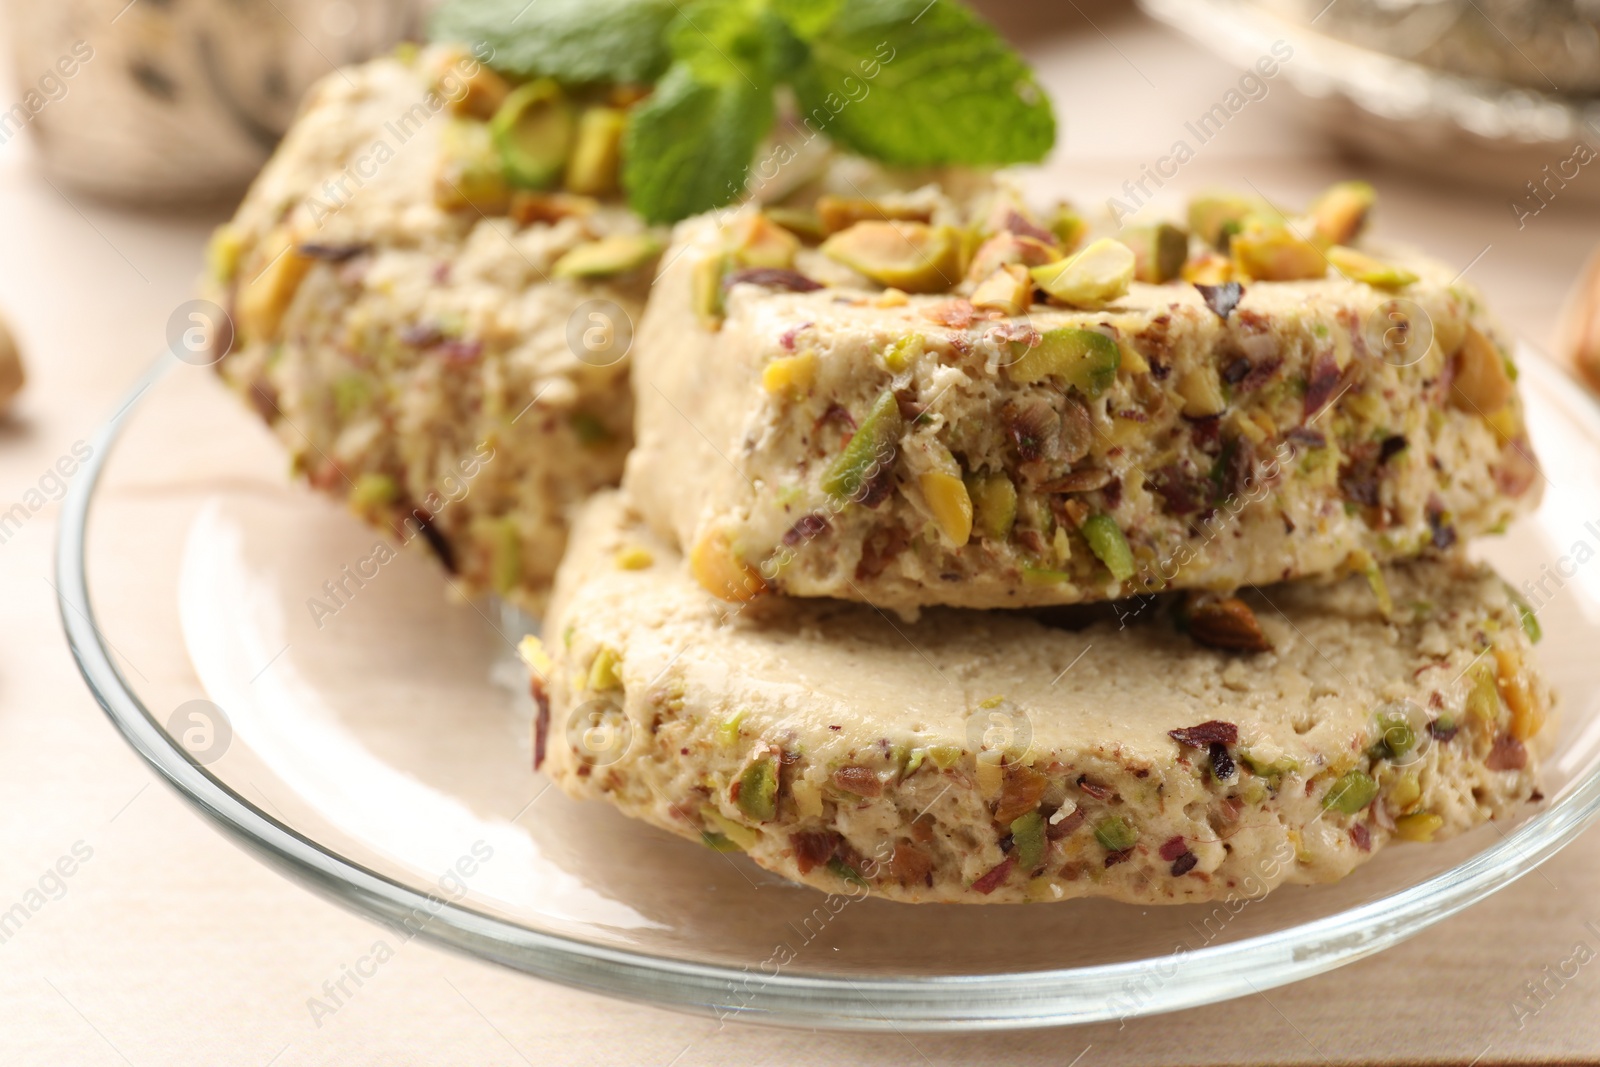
point(758, 790)
point(1069, 228)
point(1530, 619)
point(843, 870)
point(533, 131)
point(1396, 736)
point(1341, 211)
point(1360, 267)
point(1159, 252)
point(1216, 217)
point(1083, 358)
point(505, 560)
point(590, 430)
point(903, 351)
point(470, 174)
point(913, 256)
point(1351, 793)
point(803, 224)
point(994, 504)
point(1109, 545)
point(1091, 279)
point(729, 832)
point(1028, 841)
point(373, 491)
point(706, 286)
point(605, 673)
point(616, 254)
point(1115, 833)
point(945, 756)
point(597, 152)
point(869, 451)
point(1275, 253)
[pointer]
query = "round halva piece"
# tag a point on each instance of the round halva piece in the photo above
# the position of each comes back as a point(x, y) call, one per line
point(986, 757)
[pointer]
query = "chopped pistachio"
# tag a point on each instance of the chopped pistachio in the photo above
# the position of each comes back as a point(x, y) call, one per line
point(590, 430)
point(1009, 290)
point(1406, 792)
point(1208, 268)
point(758, 790)
point(807, 798)
point(1481, 383)
point(843, 870)
point(597, 152)
point(1351, 793)
point(1109, 545)
point(373, 491)
point(605, 672)
point(790, 375)
point(760, 242)
point(1396, 736)
point(727, 735)
point(1028, 841)
point(803, 224)
point(838, 213)
point(469, 175)
point(1115, 833)
point(505, 562)
point(264, 298)
point(1159, 251)
point(994, 504)
point(902, 352)
point(868, 452)
point(1360, 267)
point(1530, 619)
point(1201, 390)
point(1216, 217)
point(742, 837)
point(1418, 827)
point(722, 573)
point(1341, 211)
point(951, 506)
point(945, 756)
point(616, 254)
point(634, 558)
point(1092, 278)
point(718, 842)
point(912, 256)
point(1083, 358)
point(1483, 698)
point(1069, 228)
point(1527, 716)
point(707, 289)
point(223, 251)
point(533, 131)
point(1275, 253)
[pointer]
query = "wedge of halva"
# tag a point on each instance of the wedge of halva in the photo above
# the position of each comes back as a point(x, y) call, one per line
point(1033, 425)
point(987, 757)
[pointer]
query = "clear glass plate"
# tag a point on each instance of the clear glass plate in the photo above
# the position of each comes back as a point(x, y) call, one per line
point(379, 752)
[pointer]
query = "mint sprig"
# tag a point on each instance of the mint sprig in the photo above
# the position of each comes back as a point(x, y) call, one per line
point(906, 82)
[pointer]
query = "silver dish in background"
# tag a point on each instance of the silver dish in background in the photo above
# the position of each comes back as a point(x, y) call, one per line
point(1438, 97)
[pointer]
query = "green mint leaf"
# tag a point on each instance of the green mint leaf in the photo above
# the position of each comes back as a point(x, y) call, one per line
point(724, 40)
point(688, 147)
point(806, 18)
point(576, 42)
point(914, 83)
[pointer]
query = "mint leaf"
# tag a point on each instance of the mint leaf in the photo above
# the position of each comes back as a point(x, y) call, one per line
point(722, 40)
point(577, 42)
point(915, 83)
point(688, 146)
point(806, 18)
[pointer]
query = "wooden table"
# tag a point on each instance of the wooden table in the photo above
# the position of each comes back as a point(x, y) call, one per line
point(169, 946)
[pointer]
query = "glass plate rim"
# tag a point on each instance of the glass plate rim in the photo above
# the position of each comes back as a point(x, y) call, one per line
point(951, 1003)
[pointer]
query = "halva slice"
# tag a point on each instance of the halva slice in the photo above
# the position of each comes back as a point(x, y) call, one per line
point(994, 414)
point(1193, 746)
point(434, 288)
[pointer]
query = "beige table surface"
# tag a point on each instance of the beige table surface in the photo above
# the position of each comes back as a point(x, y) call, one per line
point(173, 947)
